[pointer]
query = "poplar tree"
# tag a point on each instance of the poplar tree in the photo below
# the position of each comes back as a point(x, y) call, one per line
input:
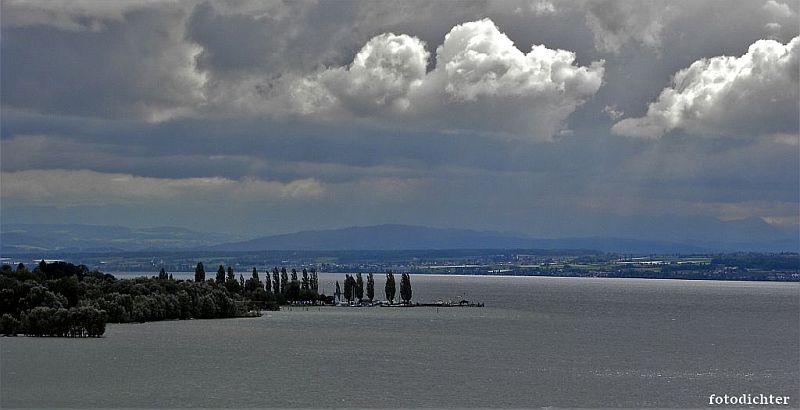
point(256, 280)
point(284, 280)
point(390, 288)
point(221, 274)
point(370, 287)
point(306, 283)
point(276, 281)
point(348, 287)
point(200, 273)
point(337, 294)
point(405, 287)
point(359, 287)
point(314, 280)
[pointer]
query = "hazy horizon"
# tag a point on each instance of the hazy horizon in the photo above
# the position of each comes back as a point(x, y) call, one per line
point(736, 236)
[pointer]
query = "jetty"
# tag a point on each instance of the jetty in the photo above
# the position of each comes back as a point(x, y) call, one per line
point(463, 303)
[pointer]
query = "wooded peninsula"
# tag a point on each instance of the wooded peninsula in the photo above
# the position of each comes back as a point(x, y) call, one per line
point(64, 300)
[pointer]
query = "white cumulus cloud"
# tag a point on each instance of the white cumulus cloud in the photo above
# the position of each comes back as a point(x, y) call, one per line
point(481, 82)
point(381, 75)
point(478, 60)
point(754, 94)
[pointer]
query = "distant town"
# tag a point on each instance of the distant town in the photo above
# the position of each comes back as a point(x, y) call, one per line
point(516, 262)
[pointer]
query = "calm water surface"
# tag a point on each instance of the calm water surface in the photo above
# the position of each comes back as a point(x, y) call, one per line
point(562, 342)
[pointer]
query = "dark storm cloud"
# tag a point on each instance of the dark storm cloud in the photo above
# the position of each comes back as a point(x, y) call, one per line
point(301, 36)
point(138, 67)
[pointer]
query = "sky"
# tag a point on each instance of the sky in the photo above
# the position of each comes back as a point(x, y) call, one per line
point(553, 119)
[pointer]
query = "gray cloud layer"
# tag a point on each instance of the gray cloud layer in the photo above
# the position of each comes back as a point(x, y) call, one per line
point(493, 115)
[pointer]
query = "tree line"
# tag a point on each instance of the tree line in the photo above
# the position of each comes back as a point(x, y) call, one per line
point(279, 288)
point(62, 299)
point(354, 288)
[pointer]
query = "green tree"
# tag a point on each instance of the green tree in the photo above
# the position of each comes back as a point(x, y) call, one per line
point(221, 275)
point(267, 282)
point(276, 284)
point(405, 288)
point(293, 293)
point(231, 283)
point(314, 280)
point(40, 296)
point(359, 287)
point(390, 287)
point(68, 286)
point(9, 325)
point(200, 273)
point(306, 281)
point(254, 282)
point(349, 284)
point(370, 287)
point(162, 274)
point(284, 280)
point(294, 274)
point(37, 321)
point(337, 294)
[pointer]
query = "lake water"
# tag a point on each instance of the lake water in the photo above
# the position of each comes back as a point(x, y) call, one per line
point(563, 342)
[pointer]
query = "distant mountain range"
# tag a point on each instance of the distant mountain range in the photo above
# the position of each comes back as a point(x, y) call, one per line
point(25, 238)
point(715, 236)
point(654, 236)
point(397, 237)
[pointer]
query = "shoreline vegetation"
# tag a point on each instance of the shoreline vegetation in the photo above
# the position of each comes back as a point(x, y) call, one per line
point(59, 299)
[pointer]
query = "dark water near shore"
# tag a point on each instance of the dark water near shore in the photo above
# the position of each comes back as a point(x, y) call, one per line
point(562, 342)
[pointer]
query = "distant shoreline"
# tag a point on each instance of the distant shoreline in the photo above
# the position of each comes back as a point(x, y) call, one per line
point(776, 267)
point(188, 275)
